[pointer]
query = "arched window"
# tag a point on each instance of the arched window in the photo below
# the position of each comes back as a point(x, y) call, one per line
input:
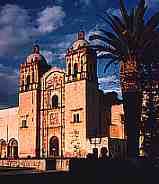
point(13, 148)
point(55, 101)
point(75, 70)
point(69, 69)
point(27, 83)
point(3, 148)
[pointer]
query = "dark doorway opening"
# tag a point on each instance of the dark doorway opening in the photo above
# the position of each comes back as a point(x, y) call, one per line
point(54, 147)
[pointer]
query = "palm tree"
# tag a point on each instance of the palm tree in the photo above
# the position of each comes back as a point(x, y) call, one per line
point(132, 44)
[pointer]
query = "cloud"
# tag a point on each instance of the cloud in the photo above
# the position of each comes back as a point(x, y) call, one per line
point(107, 79)
point(17, 29)
point(8, 76)
point(9, 86)
point(50, 19)
point(55, 49)
point(109, 83)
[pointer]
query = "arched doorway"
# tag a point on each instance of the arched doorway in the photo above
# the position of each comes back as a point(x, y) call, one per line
point(3, 147)
point(54, 147)
point(13, 148)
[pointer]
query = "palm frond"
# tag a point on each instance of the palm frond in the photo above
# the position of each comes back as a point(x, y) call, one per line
point(108, 22)
point(113, 18)
point(115, 43)
point(139, 19)
point(152, 23)
point(131, 21)
point(141, 9)
point(130, 35)
point(99, 37)
point(117, 19)
point(110, 35)
point(118, 25)
point(107, 49)
point(124, 13)
point(117, 28)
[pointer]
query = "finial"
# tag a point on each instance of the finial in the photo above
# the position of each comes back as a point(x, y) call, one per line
point(81, 35)
point(36, 49)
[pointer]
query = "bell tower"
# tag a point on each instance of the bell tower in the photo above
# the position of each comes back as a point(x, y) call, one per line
point(29, 103)
point(81, 60)
point(81, 94)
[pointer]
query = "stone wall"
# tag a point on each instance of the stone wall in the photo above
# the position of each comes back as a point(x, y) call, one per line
point(24, 163)
point(8, 124)
point(37, 164)
point(117, 126)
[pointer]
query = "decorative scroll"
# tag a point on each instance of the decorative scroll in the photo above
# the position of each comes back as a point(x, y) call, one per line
point(75, 141)
point(54, 119)
point(54, 81)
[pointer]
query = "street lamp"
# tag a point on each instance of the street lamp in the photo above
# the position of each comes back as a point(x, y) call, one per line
point(94, 139)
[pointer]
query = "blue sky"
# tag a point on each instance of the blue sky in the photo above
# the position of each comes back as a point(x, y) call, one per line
point(52, 24)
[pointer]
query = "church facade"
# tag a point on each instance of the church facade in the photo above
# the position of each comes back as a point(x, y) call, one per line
point(60, 113)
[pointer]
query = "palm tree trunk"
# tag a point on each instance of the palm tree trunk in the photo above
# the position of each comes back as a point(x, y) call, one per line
point(132, 101)
point(132, 110)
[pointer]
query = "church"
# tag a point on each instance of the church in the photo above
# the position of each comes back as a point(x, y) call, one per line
point(61, 113)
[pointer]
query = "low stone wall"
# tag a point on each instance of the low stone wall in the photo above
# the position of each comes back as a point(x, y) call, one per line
point(24, 163)
point(62, 164)
point(38, 164)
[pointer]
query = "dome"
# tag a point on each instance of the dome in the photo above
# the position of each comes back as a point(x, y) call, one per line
point(36, 57)
point(80, 43)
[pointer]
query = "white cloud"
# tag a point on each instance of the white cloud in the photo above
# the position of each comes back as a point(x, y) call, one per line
point(109, 83)
point(17, 31)
point(59, 48)
point(107, 79)
point(50, 19)
point(54, 57)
